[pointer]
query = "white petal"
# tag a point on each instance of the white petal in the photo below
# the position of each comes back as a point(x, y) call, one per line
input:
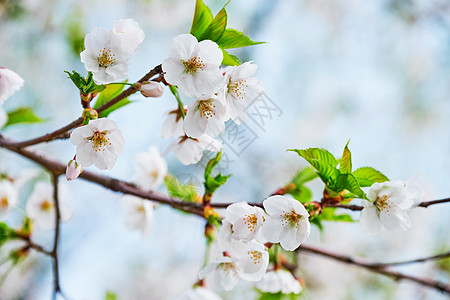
point(369, 220)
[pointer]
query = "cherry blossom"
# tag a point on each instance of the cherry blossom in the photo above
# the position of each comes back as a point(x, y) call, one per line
point(8, 196)
point(173, 125)
point(391, 201)
point(73, 170)
point(194, 66)
point(107, 52)
point(10, 82)
point(241, 90)
point(140, 213)
point(189, 150)
point(152, 169)
point(41, 205)
point(287, 223)
point(206, 114)
point(98, 143)
point(245, 220)
point(3, 117)
point(279, 281)
point(151, 89)
point(198, 293)
point(224, 271)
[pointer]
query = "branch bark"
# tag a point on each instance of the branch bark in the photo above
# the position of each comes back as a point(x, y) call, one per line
point(54, 253)
point(376, 268)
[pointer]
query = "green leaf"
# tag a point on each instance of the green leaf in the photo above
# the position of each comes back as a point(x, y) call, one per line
point(367, 176)
point(22, 115)
point(85, 86)
point(110, 296)
point(213, 183)
point(329, 214)
point(305, 175)
point(185, 192)
point(326, 172)
point(110, 91)
point(302, 193)
point(6, 233)
point(232, 38)
point(317, 154)
point(350, 183)
point(229, 59)
point(202, 18)
point(216, 28)
point(278, 296)
point(345, 166)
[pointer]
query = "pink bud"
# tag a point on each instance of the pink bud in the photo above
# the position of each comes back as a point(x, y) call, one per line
point(152, 89)
point(73, 170)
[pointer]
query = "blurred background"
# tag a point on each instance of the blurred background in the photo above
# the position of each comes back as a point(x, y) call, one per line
point(375, 72)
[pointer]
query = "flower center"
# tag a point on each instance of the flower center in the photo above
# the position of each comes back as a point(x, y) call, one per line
point(251, 221)
point(229, 267)
point(238, 88)
point(141, 209)
point(4, 202)
point(206, 109)
point(99, 141)
point(106, 58)
point(255, 256)
point(192, 65)
point(46, 205)
point(154, 174)
point(292, 218)
point(385, 205)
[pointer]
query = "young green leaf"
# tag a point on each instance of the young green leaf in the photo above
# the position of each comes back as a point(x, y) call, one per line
point(329, 214)
point(367, 176)
point(303, 176)
point(111, 296)
point(216, 28)
point(22, 115)
point(232, 38)
point(185, 192)
point(202, 18)
point(213, 183)
point(302, 193)
point(350, 183)
point(6, 233)
point(345, 166)
point(107, 94)
point(317, 154)
point(229, 59)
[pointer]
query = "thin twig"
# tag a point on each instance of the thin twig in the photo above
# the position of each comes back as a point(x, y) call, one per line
point(413, 261)
point(57, 288)
point(376, 268)
point(61, 132)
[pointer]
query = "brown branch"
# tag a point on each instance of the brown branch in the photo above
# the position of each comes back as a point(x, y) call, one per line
point(413, 261)
point(57, 168)
point(376, 268)
point(54, 253)
point(61, 132)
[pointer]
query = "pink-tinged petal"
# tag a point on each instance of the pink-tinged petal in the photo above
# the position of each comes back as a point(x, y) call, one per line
point(210, 52)
point(184, 46)
point(399, 221)
point(369, 220)
point(84, 150)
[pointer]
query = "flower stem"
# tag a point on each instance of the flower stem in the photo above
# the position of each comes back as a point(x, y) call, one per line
point(174, 91)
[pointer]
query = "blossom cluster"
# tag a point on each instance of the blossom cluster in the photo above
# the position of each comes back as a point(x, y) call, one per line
point(241, 252)
point(220, 94)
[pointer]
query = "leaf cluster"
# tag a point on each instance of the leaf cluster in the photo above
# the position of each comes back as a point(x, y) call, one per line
point(206, 27)
point(86, 86)
point(213, 183)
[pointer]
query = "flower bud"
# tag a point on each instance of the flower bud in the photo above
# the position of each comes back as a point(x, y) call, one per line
point(151, 89)
point(73, 170)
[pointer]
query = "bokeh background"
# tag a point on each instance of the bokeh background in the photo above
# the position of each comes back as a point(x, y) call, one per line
point(375, 72)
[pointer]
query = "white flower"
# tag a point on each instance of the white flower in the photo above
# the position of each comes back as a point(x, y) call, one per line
point(241, 90)
point(140, 213)
point(287, 222)
point(246, 220)
point(198, 293)
point(279, 281)
point(194, 66)
point(206, 114)
point(41, 205)
point(248, 262)
point(152, 169)
point(10, 82)
point(151, 89)
point(8, 196)
point(390, 203)
point(98, 143)
point(73, 170)
point(173, 125)
point(190, 151)
point(130, 33)
point(3, 117)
